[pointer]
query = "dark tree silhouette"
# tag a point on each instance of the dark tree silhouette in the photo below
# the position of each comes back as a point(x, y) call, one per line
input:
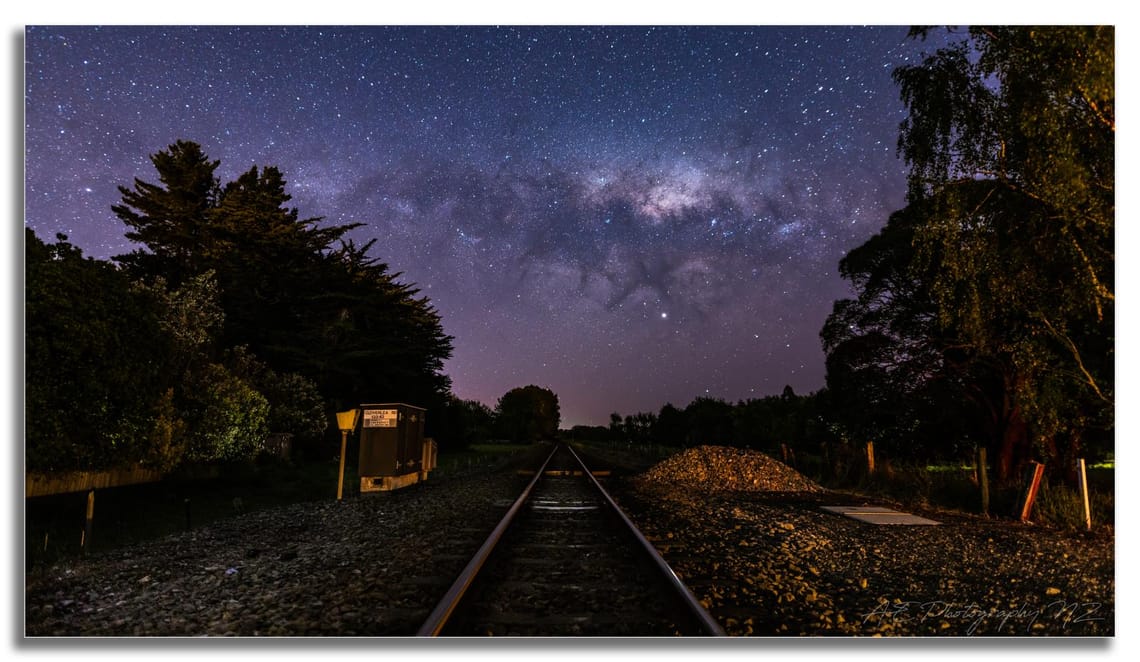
point(528, 414)
point(97, 361)
point(459, 423)
point(170, 218)
point(893, 377)
point(295, 291)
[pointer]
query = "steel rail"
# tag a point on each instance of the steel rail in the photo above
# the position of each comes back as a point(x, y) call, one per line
point(707, 622)
point(438, 618)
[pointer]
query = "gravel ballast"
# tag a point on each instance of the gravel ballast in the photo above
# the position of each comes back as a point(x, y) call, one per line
point(765, 560)
point(372, 565)
point(744, 531)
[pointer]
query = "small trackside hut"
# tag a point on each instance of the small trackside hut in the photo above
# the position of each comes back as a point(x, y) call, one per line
point(393, 450)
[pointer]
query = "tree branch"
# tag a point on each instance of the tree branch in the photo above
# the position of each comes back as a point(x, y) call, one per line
point(1077, 357)
point(1104, 119)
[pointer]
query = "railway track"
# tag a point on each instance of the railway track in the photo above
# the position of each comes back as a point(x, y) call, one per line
point(565, 561)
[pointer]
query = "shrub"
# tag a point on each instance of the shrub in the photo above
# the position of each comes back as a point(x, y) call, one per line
point(1059, 505)
point(230, 418)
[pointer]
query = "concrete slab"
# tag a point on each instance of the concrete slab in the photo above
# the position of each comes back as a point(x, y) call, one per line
point(878, 515)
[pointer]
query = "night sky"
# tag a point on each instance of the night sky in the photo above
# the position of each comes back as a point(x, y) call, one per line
point(628, 216)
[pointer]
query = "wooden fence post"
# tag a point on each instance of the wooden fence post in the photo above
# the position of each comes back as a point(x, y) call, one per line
point(1085, 493)
point(870, 457)
point(86, 540)
point(984, 480)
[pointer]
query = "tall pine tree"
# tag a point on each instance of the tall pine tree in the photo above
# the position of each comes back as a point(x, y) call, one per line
point(293, 290)
point(170, 218)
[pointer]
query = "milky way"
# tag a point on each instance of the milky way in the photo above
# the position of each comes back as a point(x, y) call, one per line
point(628, 216)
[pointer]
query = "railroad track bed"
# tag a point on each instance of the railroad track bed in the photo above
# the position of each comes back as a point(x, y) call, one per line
point(762, 563)
point(568, 566)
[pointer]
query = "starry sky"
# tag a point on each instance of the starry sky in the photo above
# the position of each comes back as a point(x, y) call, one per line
point(628, 215)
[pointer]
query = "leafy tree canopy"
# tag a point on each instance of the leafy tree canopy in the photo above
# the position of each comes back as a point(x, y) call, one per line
point(998, 283)
point(119, 373)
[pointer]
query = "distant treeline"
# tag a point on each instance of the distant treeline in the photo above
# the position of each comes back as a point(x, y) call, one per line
point(763, 423)
point(522, 415)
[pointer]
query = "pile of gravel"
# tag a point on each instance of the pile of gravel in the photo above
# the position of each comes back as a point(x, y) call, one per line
point(717, 469)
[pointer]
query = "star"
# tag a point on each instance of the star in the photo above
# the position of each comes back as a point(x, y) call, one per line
point(538, 182)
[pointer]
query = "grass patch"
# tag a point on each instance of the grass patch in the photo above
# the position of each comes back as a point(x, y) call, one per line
point(475, 457)
point(1062, 506)
point(939, 468)
point(955, 487)
point(951, 488)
